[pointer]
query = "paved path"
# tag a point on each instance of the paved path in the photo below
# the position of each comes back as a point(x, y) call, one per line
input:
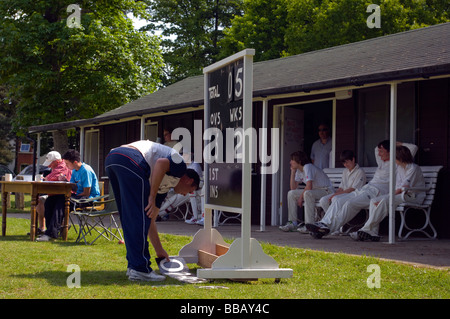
point(434, 253)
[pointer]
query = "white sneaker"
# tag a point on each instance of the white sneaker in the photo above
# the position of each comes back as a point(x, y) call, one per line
point(288, 227)
point(354, 236)
point(135, 275)
point(200, 222)
point(44, 238)
point(191, 221)
point(302, 229)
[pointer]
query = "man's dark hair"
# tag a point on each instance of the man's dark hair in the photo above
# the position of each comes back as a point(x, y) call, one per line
point(193, 174)
point(301, 158)
point(72, 156)
point(386, 145)
point(326, 126)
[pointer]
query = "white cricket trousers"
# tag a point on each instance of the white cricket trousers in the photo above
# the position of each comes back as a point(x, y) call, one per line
point(347, 206)
point(325, 202)
point(332, 216)
point(309, 203)
point(174, 200)
point(197, 203)
point(379, 209)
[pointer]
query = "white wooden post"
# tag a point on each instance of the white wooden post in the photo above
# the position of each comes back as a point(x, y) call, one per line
point(392, 168)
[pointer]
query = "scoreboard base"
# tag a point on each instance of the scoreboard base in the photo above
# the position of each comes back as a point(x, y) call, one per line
point(244, 274)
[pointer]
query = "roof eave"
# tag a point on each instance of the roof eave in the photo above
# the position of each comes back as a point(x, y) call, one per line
point(358, 81)
point(114, 117)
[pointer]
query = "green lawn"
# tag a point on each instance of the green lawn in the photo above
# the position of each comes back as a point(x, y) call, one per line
point(12, 209)
point(39, 270)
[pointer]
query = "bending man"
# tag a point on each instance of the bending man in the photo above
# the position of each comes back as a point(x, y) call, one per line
point(141, 174)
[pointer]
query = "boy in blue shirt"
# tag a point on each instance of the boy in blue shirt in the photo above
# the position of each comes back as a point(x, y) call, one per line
point(82, 175)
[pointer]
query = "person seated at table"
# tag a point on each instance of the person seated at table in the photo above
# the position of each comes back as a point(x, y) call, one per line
point(53, 204)
point(86, 185)
point(82, 175)
point(40, 209)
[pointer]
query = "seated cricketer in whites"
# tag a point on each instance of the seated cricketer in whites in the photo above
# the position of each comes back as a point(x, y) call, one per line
point(408, 175)
point(353, 178)
point(359, 199)
point(317, 185)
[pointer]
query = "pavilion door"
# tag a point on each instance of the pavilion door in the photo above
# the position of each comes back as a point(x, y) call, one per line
point(292, 140)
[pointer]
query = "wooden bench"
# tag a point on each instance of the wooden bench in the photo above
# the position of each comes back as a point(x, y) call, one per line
point(430, 174)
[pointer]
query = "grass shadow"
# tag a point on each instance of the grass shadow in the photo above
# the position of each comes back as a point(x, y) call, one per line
point(15, 238)
point(94, 278)
point(26, 238)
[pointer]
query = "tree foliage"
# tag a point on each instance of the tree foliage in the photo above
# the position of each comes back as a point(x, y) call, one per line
point(261, 28)
point(286, 27)
point(315, 24)
point(59, 73)
point(7, 111)
point(191, 30)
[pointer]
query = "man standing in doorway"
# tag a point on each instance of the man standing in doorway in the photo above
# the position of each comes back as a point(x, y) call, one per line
point(321, 149)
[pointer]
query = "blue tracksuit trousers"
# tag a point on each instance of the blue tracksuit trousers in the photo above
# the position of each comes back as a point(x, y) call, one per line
point(129, 174)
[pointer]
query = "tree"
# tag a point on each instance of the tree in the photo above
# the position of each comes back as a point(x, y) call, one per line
point(286, 27)
point(262, 27)
point(59, 70)
point(191, 30)
point(316, 24)
point(7, 108)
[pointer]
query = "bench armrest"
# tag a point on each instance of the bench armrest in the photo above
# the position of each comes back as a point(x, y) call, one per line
point(409, 193)
point(416, 189)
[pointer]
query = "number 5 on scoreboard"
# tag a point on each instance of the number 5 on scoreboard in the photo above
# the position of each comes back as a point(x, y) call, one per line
point(237, 83)
point(239, 87)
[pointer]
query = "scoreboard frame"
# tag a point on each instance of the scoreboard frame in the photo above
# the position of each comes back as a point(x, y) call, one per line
point(228, 90)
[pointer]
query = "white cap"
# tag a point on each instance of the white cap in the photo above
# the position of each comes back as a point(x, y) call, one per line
point(52, 156)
